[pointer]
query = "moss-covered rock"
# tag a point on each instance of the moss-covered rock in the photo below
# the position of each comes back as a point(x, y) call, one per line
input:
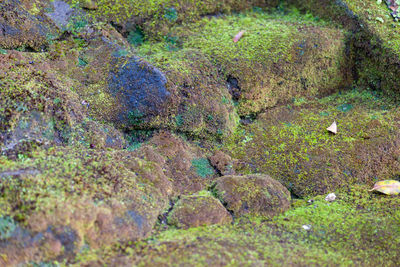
point(278, 58)
point(252, 194)
point(78, 198)
point(197, 210)
point(155, 17)
point(292, 144)
point(41, 109)
point(375, 39)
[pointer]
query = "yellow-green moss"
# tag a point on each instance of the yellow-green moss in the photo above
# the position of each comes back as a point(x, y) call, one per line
point(291, 143)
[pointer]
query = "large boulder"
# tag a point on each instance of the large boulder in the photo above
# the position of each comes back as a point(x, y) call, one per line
point(276, 60)
point(254, 194)
point(375, 39)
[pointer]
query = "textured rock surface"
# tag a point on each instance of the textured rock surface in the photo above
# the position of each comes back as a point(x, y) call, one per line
point(198, 210)
point(292, 143)
point(254, 194)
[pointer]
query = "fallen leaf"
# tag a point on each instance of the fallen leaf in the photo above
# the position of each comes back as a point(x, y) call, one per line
point(388, 187)
point(332, 128)
point(238, 36)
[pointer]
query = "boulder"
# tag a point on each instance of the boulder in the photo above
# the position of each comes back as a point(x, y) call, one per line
point(81, 198)
point(254, 194)
point(198, 210)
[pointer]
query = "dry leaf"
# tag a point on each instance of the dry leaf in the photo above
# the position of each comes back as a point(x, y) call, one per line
point(388, 187)
point(238, 36)
point(332, 128)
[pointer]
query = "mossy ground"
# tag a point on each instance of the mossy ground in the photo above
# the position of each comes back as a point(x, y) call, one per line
point(291, 142)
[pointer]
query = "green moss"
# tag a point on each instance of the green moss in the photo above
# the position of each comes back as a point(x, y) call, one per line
point(202, 167)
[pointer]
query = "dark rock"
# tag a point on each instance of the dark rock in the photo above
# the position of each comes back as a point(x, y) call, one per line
point(256, 194)
point(140, 88)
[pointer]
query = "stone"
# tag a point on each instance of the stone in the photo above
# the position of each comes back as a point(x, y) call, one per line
point(254, 194)
point(198, 210)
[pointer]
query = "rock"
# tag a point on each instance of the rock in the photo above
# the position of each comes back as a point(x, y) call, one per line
point(116, 197)
point(377, 62)
point(61, 14)
point(198, 210)
point(33, 129)
point(254, 194)
point(292, 145)
point(20, 29)
point(140, 89)
point(222, 162)
point(276, 61)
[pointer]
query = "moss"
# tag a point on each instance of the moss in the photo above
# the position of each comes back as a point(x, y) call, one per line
point(292, 144)
point(202, 167)
point(91, 193)
point(7, 227)
point(156, 16)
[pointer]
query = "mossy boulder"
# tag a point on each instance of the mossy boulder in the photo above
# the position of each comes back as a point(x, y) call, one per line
point(197, 210)
point(359, 228)
point(40, 109)
point(75, 198)
point(254, 194)
point(277, 59)
point(292, 144)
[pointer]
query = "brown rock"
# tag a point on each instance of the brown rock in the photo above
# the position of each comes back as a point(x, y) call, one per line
point(197, 210)
point(256, 194)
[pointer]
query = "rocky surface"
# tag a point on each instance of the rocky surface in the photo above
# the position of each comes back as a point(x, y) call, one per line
point(142, 133)
point(198, 210)
point(252, 194)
